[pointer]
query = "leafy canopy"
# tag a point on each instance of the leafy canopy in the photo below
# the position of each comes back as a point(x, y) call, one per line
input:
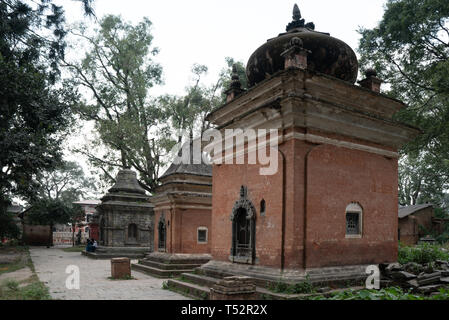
point(410, 50)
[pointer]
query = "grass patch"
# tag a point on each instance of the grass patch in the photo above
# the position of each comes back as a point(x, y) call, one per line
point(29, 289)
point(74, 249)
point(23, 259)
point(36, 290)
point(303, 287)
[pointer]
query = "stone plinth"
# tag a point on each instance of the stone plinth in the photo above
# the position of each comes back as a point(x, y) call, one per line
point(120, 268)
point(234, 288)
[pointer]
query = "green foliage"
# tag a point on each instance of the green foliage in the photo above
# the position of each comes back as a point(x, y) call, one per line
point(66, 182)
point(303, 287)
point(35, 114)
point(226, 75)
point(392, 293)
point(12, 284)
point(422, 254)
point(51, 212)
point(118, 71)
point(33, 291)
point(410, 50)
point(188, 113)
point(8, 226)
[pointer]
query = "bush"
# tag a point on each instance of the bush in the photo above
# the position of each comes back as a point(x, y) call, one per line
point(302, 287)
point(422, 254)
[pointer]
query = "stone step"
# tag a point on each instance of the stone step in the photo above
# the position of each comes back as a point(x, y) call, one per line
point(196, 285)
point(110, 255)
point(189, 289)
point(165, 266)
point(220, 275)
point(160, 273)
point(177, 259)
point(199, 279)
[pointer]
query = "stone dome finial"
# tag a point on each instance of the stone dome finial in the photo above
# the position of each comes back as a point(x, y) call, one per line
point(296, 13)
point(371, 72)
point(298, 22)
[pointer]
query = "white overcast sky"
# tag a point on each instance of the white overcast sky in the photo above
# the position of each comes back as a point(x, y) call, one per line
point(207, 31)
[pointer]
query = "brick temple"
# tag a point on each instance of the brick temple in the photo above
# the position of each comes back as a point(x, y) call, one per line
point(182, 215)
point(333, 201)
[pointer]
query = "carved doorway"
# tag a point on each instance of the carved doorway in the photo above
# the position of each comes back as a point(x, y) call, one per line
point(162, 234)
point(132, 233)
point(243, 216)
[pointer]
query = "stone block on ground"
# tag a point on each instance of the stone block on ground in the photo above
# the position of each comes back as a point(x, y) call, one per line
point(444, 280)
point(120, 268)
point(429, 289)
point(402, 276)
point(429, 278)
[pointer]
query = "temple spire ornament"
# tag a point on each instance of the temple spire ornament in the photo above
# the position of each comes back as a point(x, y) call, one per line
point(371, 81)
point(296, 13)
point(235, 88)
point(295, 55)
point(298, 22)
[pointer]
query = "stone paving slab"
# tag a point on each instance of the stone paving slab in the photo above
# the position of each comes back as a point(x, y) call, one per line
point(50, 265)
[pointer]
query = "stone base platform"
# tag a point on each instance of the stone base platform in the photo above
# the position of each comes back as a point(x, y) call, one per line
point(165, 265)
point(326, 280)
point(265, 276)
point(117, 252)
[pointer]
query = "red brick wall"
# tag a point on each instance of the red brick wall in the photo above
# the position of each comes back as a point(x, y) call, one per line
point(182, 228)
point(227, 180)
point(335, 178)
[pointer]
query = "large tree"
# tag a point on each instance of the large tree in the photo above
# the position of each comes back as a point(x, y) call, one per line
point(67, 183)
point(35, 112)
point(410, 50)
point(118, 70)
point(188, 113)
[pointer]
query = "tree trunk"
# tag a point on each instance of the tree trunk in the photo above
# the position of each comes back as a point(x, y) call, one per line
point(73, 235)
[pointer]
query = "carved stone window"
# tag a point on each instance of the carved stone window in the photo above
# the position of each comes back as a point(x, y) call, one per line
point(354, 220)
point(243, 249)
point(202, 235)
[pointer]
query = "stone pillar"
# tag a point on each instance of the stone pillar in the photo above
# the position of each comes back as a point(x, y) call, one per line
point(120, 268)
point(234, 288)
point(295, 55)
point(371, 82)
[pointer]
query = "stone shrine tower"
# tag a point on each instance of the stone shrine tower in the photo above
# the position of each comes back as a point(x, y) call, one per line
point(331, 207)
point(125, 217)
point(182, 212)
